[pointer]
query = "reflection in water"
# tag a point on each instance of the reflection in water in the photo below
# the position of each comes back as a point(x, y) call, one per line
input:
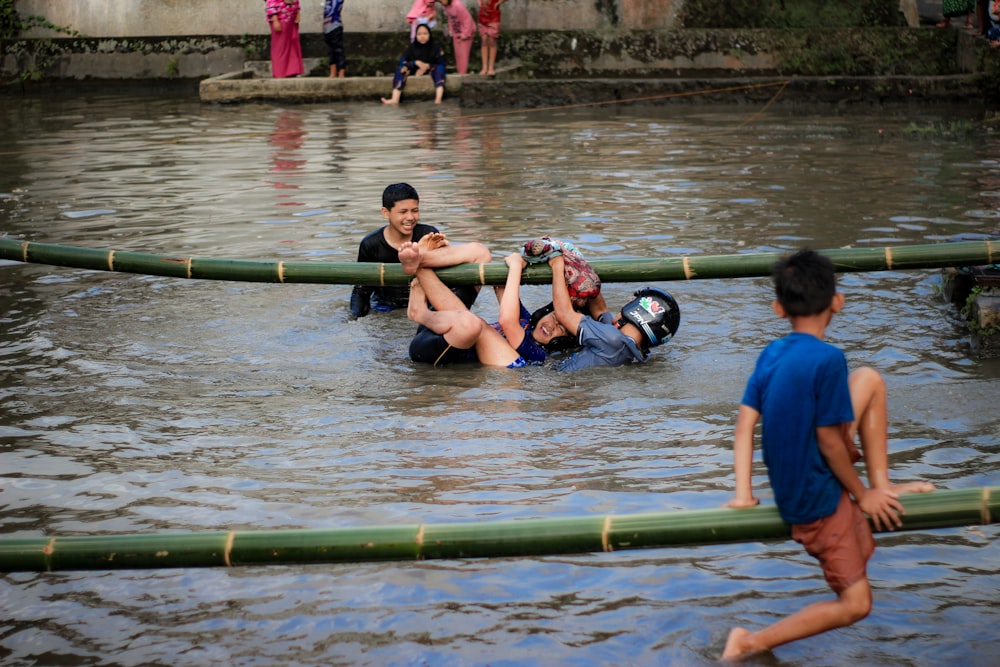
point(140, 404)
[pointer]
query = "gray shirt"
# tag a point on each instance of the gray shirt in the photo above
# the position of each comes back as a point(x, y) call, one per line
point(603, 345)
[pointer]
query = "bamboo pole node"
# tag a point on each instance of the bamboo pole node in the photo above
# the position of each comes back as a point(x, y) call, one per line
point(24, 251)
point(111, 260)
point(381, 275)
point(482, 274)
point(605, 531)
point(688, 273)
point(48, 550)
point(281, 272)
point(228, 552)
point(985, 507)
point(888, 258)
point(989, 251)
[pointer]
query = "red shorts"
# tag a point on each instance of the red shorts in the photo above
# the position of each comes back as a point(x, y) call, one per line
point(842, 542)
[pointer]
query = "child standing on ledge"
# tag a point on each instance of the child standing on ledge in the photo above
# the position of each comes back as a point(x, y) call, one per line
point(489, 32)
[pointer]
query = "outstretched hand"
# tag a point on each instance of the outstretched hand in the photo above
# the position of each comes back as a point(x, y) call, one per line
point(514, 260)
point(883, 507)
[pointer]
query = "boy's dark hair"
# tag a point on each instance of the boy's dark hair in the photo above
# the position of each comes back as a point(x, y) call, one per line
point(398, 192)
point(804, 282)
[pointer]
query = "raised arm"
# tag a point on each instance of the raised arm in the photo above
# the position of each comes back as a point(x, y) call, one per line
point(567, 317)
point(510, 301)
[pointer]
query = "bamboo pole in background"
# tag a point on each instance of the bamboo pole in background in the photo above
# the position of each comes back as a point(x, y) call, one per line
point(529, 537)
point(690, 267)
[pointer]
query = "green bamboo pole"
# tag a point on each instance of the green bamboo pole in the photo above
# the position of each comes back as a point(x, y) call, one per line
point(531, 537)
point(690, 267)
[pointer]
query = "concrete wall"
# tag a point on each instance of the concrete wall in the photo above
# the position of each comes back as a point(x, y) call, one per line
point(146, 18)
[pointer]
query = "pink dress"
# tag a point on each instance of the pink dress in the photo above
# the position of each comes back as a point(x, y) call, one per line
point(286, 49)
point(422, 11)
point(463, 29)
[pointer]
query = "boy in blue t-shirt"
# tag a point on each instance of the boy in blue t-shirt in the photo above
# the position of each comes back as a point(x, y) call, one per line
point(811, 409)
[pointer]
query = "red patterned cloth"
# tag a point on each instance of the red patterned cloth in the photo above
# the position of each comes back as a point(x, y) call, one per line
point(581, 279)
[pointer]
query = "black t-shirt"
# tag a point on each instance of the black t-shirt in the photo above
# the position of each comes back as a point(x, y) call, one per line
point(374, 248)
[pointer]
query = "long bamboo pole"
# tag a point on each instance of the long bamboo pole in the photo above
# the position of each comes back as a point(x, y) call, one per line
point(532, 537)
point(690, 267)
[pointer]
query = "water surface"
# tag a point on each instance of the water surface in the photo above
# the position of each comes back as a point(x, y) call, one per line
point(146, 404)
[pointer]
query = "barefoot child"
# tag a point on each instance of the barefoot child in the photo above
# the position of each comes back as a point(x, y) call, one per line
point(450, 333)
point(810, 410)
point(489, 33)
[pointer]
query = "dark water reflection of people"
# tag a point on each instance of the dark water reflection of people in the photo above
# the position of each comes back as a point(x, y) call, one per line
point(338, 143)
point(286, 157)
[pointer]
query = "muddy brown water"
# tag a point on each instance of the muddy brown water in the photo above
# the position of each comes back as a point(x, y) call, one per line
point(145, 404)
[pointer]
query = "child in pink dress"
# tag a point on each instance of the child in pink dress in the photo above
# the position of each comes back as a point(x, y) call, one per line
point(463, 29)
point(286, 49)
point(489, 31)
point(422, 11)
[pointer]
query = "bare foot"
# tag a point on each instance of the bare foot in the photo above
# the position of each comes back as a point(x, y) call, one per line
point(738, 645)
point(912, 487)
point(388, 101)
point(409, 257)
point(432, 241)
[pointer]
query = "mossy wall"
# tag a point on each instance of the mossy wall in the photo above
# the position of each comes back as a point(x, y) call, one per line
point(774, 14)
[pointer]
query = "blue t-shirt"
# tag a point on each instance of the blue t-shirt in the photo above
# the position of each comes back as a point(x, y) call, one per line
point(331, 14)
point(799, 384)
point(603, 345)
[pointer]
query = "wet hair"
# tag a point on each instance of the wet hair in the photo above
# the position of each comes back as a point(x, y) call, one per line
point(804, 282)
point(557, 344)
point(397, 192)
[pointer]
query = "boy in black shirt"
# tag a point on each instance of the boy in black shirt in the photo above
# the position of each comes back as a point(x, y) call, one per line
point(401, 208)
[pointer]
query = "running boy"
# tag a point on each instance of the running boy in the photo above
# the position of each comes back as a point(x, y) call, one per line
point(647, 321)
point(401, 208)
point(811, 410)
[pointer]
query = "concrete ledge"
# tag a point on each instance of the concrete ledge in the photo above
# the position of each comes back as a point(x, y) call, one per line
point(246, 86)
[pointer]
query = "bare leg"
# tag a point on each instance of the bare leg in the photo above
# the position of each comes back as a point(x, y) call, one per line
point(333, 71)
point(453, 255)
point(435, 291)
point(871, 423)
point(438, 94)
point(851, 605)
point(459, 327)
point(396, 93)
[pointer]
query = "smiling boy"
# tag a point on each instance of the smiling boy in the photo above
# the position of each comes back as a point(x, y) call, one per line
point(401, 209)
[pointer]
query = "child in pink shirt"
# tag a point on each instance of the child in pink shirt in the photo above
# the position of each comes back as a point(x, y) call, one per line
point(463, 29)
point(422, 11)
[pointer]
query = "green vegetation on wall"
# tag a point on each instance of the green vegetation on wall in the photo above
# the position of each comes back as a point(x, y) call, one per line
point(36, 55)
point(773, 14)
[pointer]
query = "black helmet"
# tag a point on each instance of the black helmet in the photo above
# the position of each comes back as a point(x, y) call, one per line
point(557, 344)
point(655, 313)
